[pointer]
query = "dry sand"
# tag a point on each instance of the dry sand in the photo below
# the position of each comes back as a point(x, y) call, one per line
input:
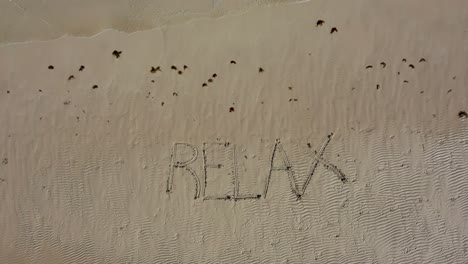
point(258, 137)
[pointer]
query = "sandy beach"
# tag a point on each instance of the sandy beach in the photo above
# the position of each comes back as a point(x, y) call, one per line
point(234, 132)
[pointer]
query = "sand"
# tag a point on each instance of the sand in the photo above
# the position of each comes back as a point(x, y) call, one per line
point(27, 20)
point(309, 132)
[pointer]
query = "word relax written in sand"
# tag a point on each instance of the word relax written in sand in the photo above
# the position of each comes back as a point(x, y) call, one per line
point(184, 154)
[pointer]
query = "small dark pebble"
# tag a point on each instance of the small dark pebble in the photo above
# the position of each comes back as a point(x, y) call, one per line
point(116, 53)
point(154, 70)
point(462, 114)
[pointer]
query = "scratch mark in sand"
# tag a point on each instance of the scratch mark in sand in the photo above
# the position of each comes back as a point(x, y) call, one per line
point(24, 10)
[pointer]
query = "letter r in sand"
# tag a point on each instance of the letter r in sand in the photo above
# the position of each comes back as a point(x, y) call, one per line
point(183, 154)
